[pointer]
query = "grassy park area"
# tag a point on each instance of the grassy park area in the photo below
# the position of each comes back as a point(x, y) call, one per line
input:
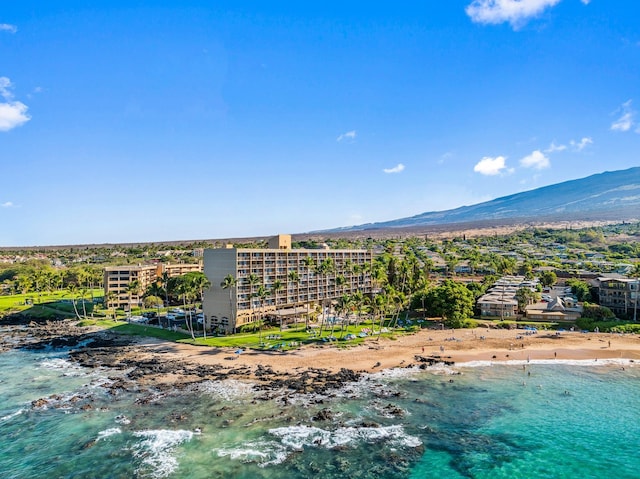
point(269, 339)
point(44, 304)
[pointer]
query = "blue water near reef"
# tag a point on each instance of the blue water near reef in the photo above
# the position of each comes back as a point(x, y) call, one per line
point(490, 421)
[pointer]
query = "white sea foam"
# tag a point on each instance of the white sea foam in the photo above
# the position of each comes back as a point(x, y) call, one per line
point(63, 365)
point(295, 438)
point(156, 451)
point(395, 373)
point(264, 453)
point(108, 432)
point(569, 362)
point(122, 419)
point(227, 389)
point(12, 415)
point(299, 437)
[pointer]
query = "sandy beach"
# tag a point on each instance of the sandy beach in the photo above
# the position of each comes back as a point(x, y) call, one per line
point(459, 346)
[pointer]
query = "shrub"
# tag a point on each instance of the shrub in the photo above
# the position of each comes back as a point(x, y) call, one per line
point(597, 312)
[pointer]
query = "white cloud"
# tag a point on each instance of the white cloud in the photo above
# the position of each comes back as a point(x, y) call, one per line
point(586, 2)
point(536, 160)
point(516, 12)
point(6, 27)
point(491, 166)
point(12, 113)
point(350, 135)
point(7, 204)
point(553, 148)
point(396, 169)
point(581, 145)
point(5, 84)
point(626, 120)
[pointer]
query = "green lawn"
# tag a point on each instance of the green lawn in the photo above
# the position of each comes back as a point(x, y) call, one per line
point(268, 340)
point(273, 339)
point(56, 300)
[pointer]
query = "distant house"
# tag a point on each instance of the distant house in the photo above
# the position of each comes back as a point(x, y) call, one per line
point(500, 300)
point(556, 310)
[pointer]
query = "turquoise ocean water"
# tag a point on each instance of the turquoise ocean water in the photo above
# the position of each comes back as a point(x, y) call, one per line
point(557, 420)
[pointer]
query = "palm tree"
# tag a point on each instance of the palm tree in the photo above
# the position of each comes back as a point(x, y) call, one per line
point(310, 265)
point(164, 280)
point(73, 290)
point(325, 268)
point(358, 303)
point(379, 305)
point(83, 294)
point(262, 294)
point(294, 278)
point(110, 297)
point(199, 282)
point(275, 287)
point(186, 290)
point(155, 289)
point(84, 277)
point(229, 282)
point(378, 276)
point(344, 305)
point(252, 280)
point(133, 288)
point(24, 283)
point(399, 300)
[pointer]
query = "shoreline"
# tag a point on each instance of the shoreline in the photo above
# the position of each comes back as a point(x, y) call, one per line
point(457, 346)
point(151, 368)
point(156, 366)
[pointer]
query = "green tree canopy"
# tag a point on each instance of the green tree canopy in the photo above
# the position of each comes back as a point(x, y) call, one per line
point(451, 300)
point(580, 289)
point(526, 296)
point(548, 278)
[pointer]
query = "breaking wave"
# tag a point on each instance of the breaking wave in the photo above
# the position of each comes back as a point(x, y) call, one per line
point(156, 451)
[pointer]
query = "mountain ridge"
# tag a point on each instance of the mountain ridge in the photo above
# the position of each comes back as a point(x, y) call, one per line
point(603, 194)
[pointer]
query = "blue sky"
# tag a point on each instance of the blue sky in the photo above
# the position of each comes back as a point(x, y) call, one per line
point(150, 121)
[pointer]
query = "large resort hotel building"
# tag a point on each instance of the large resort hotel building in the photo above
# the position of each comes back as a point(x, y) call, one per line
point(296, 279)
point(118, 281)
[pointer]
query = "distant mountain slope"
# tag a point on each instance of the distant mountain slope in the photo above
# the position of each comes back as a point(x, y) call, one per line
point(611, 192)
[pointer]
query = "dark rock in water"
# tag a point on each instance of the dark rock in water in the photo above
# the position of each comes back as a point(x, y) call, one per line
point(177, 417)
point(369, 424)
point(324, 415)
point(64, 342)
point(394, 410)
point(38, 403)
point(426, 361)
